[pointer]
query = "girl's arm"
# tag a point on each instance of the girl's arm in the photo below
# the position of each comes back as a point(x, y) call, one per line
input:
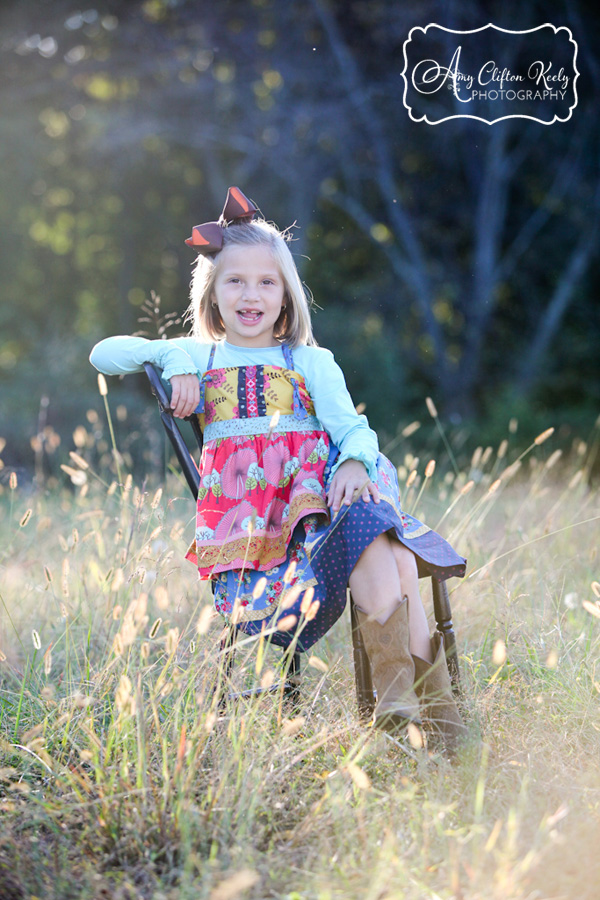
point(335, 410)
point(124, 355)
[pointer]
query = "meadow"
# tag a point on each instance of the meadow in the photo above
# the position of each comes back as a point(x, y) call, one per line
point(122, 777)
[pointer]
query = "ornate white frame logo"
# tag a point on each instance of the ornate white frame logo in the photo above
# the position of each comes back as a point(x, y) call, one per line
point(539, 73)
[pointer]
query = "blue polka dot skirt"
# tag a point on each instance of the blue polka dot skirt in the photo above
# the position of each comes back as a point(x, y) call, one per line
point(323, 555)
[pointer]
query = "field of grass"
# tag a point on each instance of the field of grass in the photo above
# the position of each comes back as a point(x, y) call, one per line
point(120, 776)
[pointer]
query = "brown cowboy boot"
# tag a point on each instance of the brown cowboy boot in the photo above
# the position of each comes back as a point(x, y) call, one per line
point(433, 687)
point(392, 668)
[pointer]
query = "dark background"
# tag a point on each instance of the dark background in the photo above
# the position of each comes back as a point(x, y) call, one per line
point(457, 261)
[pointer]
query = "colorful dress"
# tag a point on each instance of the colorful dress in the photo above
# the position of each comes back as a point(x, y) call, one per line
point(263, 529)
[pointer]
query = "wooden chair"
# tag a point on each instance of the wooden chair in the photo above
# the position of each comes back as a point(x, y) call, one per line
point(362, 669)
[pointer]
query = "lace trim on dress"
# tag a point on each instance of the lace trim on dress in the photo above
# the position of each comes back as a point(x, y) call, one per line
point(260, 425)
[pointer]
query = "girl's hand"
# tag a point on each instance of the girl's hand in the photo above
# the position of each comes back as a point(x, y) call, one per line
point(350, 482)
point(186, 394)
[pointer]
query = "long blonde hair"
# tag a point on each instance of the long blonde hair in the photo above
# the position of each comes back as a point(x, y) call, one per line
point(293, 325)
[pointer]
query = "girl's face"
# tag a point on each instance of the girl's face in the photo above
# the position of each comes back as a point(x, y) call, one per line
point(249, 291)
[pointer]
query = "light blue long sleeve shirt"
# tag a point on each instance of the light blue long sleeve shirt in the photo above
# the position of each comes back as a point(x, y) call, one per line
point(350, 432)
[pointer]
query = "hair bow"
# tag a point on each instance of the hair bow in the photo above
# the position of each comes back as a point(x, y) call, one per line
point(208, 238)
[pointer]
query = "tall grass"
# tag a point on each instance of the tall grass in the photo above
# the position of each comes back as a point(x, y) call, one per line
point(121, 776)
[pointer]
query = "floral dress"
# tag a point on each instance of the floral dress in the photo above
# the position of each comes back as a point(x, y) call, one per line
point(264, 535)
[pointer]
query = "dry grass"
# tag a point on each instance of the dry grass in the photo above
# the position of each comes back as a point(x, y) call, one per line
point(120, 776)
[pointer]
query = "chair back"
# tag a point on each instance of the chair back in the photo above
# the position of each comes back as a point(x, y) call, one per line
point(162, 393)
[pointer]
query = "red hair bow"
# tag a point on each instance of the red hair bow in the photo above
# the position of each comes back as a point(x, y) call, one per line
point(208, 238)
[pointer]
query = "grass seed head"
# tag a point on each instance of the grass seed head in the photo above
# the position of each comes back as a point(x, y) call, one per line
point(475, 459)
point(172, 640)
point(410, 429)
point(140, 607)
point(207, 614)
point(415, 736)
point(544, 436)
point(274, 422)
point(430, 468)
point(25, 518)
point(486, 455)
point(313, 610)
point(235, 885)
point(499, 653)
point(155, 628)
point(123, 692)
point(118, 581)
point(78, 478)
point(161, 596)
point(293, 726)
point(596, 588)
point(259, 588)
point(431, 408)
point(36, 640)
point(358, 776)
point(291, 596)
point(80, 436)
point(288, 575)
point(553, 459)
point(592, 608)
point(267, 680)
point(102, 386)
point(12, 481)
point(78, 460)
point(307, 600)
point(318, 664)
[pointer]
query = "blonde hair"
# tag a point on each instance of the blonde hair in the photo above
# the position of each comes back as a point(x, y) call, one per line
point(293, 325)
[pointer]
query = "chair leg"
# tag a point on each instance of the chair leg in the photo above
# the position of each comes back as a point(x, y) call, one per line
point(291, 689)
point(443, 620)
point(227, 644)
point(365, 695)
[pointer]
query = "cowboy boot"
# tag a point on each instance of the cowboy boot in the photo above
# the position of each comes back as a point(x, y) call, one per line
point(433, 687)
point(392, 668)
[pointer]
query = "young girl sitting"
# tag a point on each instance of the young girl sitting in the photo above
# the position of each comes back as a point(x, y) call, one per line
point(295, 501)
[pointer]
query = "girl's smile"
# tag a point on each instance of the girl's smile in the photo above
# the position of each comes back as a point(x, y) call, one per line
point(249, 292)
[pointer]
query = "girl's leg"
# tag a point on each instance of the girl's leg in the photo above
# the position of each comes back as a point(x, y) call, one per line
point(385, 573)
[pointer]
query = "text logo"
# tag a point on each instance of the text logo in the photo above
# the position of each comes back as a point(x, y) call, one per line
point(490, 74)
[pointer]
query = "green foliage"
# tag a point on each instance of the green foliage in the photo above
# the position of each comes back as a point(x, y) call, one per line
point(120, 130)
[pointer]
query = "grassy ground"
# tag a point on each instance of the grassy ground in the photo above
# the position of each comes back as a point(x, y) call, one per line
point(120, 778)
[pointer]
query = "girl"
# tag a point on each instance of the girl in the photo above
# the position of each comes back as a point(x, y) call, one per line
point(295, 501)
